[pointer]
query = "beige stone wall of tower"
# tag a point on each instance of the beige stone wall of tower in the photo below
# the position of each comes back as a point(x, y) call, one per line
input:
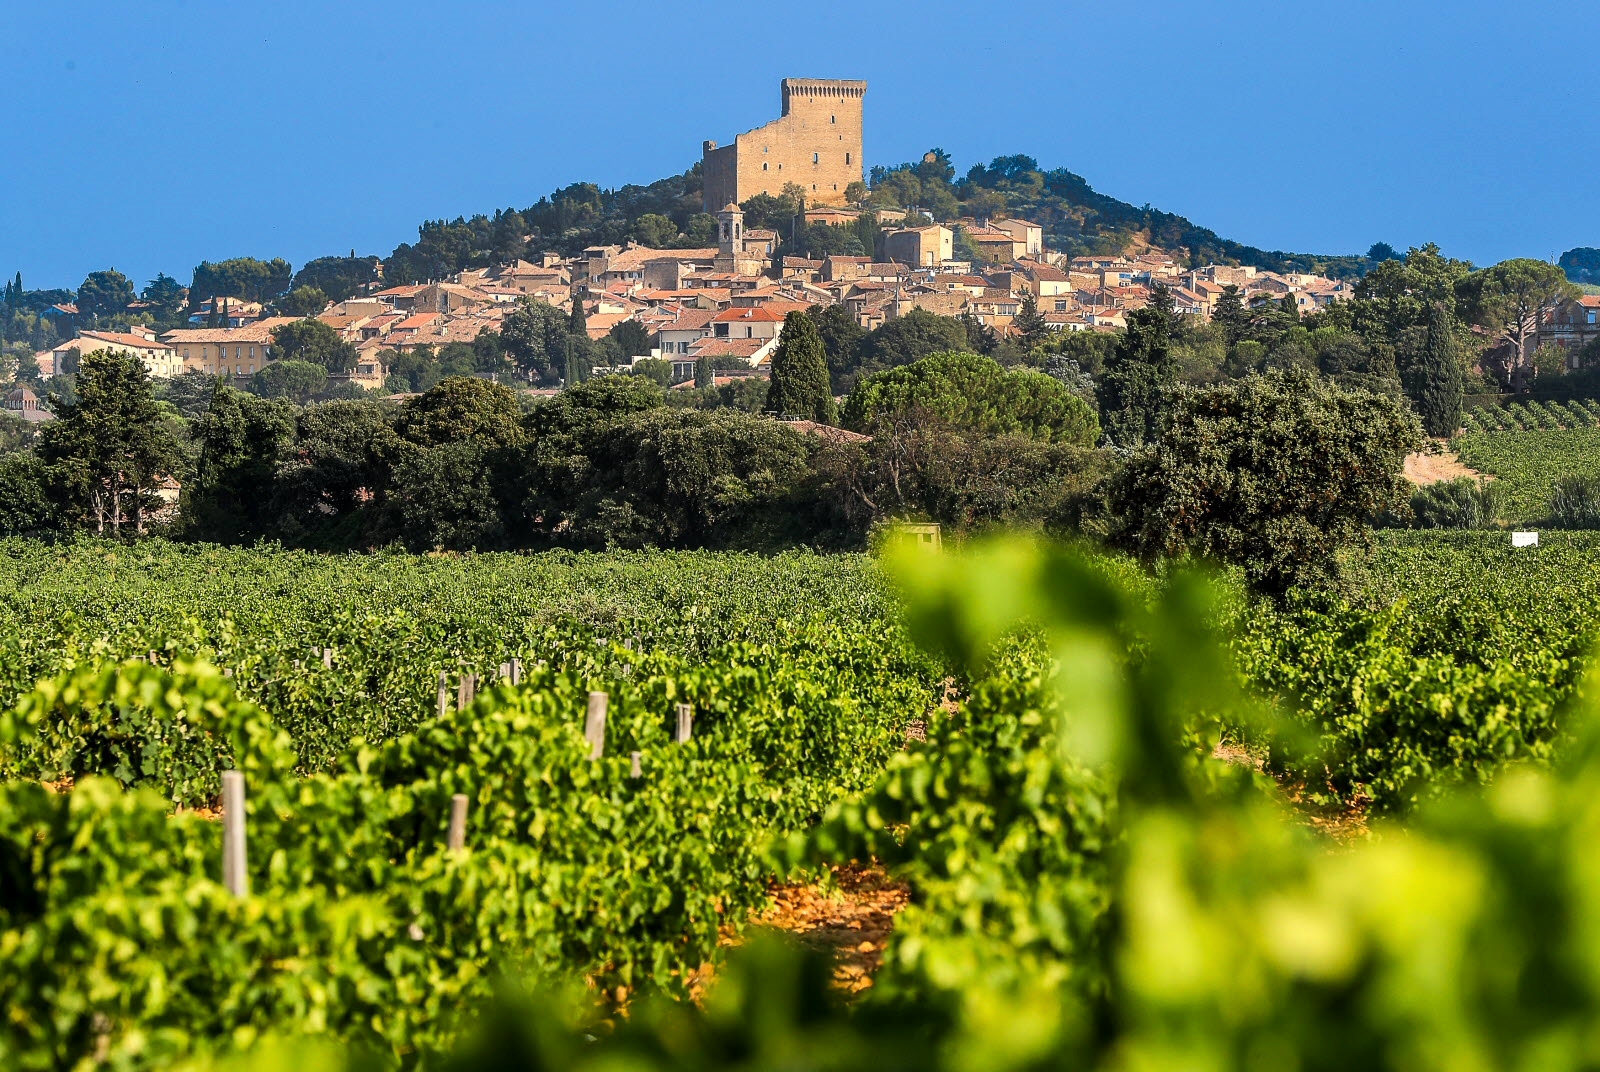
point(815, 143)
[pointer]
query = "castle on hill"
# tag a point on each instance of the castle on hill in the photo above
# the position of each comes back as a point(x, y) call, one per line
point(815, 143)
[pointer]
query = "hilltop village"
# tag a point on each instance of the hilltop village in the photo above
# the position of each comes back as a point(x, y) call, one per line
point(723, 301)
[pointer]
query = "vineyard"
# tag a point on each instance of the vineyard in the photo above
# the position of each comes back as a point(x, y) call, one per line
point(1087, 887)
point(1529, 446)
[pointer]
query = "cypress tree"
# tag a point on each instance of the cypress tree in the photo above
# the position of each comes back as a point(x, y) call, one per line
point(1137, 372)
point(799, 386)
point(1438, 374)
point(579, 324)
point(702, 372)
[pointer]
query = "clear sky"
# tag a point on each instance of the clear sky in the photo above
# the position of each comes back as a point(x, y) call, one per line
point(151, 135)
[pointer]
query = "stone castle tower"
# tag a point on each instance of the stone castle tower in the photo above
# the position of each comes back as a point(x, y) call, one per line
point(815, 143)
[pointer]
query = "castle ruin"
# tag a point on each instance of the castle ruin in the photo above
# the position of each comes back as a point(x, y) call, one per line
point(815, 143)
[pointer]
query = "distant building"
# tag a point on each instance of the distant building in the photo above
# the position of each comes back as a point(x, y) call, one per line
point(160, 360)
point(920, 247)
point(226, 351)
point(814, 143)
point(24, 405)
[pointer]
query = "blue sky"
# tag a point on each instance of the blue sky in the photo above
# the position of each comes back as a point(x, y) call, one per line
point(149, 136)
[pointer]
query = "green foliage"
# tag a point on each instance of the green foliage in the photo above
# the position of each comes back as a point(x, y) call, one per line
point(291, 379)
point(313, 341)
point(659, 370)
point(533, 334)
point(1136, 375)
point(1462, 503)
point(1451, 656)
point(240, 277)
point(337, 277)
point(242, 440)
point(25, 504)
point(975, 395)
point(104, 293)
point(1274, 473)
point(1529, 448)
point(303, 301)
point(840, 335)
point(1575, 502)
point(1438, 378)
point(109, 446)
point(906, 339)
point(459, 409)
point(799, 386)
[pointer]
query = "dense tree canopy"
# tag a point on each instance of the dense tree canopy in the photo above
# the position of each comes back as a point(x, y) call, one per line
point(974, 394)
point(1275, 473)
point(104, 293)
point(315, 342)
point(240, 277)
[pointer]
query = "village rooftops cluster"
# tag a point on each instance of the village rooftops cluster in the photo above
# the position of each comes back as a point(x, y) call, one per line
point(729, 301)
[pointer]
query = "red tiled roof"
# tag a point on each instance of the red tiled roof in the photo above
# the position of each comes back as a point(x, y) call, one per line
point(757, 314)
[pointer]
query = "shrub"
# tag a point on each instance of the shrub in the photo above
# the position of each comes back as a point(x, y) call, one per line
point(1462, 503)
point(1575, 503)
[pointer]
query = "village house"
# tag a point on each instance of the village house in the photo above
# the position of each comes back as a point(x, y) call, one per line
point(922, 247)
point(160, 360)
point(1571, 325)
point(226, 351)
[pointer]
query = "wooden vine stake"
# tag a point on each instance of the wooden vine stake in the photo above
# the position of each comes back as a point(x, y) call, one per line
point(635, 768)
point(456, 839)
point(444, 693)
point(466, 689)
point(505, 672)
point(685, 723)
point(234, 875)
point(594, 724)
point(327, 658)
point(516, 672)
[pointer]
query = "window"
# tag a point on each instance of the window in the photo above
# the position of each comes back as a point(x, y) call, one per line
point(846, 158)
point(763, 165)
point(831, 119)
point(1591, 316)
point(814, 157)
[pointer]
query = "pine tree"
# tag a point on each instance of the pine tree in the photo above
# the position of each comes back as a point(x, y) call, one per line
point(1029, 322)
point(1438, 377)
point(702, 373)
point(1230, 313)
point(799, 386)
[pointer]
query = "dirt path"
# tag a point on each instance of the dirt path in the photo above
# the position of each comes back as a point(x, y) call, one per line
point(851, 922)
point(1422, 469)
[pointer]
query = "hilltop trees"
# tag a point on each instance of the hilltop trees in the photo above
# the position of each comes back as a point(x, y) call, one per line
point(337, 277)
point(799, 386)
point(240, 277)
point(104, 293)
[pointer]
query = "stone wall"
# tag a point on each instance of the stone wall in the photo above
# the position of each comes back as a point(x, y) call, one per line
point(815, 143)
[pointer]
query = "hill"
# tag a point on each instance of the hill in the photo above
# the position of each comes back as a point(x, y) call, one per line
point(1076, 219)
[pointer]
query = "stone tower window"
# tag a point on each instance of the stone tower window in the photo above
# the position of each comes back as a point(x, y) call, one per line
point(832, 119)
point(846, 158)
point(814, 157)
